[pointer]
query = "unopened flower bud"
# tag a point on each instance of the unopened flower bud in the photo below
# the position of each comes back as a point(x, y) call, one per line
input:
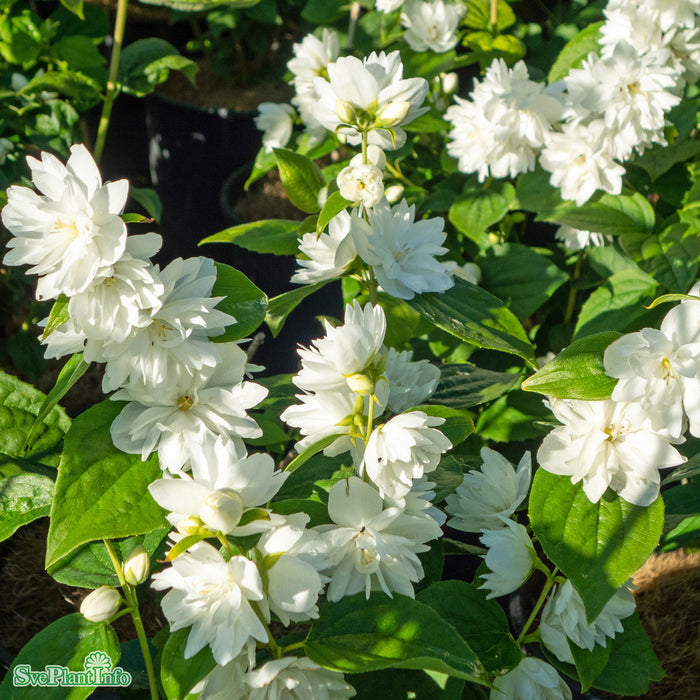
point(137, 566)
point(101, 604)
point(450, 83)
point(222, 510)
point(345, 111)
point(393, 193)
point(394, 113)
point(190, 526)
point(361, 384)
point(375, 156)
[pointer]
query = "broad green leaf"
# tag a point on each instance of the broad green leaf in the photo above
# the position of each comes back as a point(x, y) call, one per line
point(276, 236)
point(464, 386)
point(23, 498)
point(82, 90)
point(279, 307)
point(146, 63)
point(324, 11)
point(477, 209)
point(478, 15)
point(632, 663)
point(590, 664)
point(660, 159)
point(20, 37)
point(179, 674)
point(514, 417)
point(596, 545)
point(333, 206)
point(477, 317)
point(57, 316)
point(480, 622)
point(314, 480)
point(402, 684)
point(457, 426)
point(89, 566)
point(302, 179)
point(684, 471)
point(356, 635)
point(447, 477)
point(316, 510)
point(148, 198)
point(74, 6)
point(20, 404)
point(523, 277)
point(486, 47)
point(577, 372)
point(575, 50)
point(100, 492)
point(673, 257)
point(65, 642)
point(309, 452)
point(243, 300)
point(70, 373)
point(617, 304)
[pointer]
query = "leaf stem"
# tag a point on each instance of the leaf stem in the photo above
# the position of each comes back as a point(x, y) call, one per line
point(112, 89)
point(292, 647)
point(493, 16)
point(551, 575)
point(571, 304)
point(133, 603)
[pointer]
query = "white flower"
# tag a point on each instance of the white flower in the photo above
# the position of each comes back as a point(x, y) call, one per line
point(510, 558)
point(101, 604)
point(225, 482)
point(629, 92)
point(403, 449)
point(500, 130)
point(292, 557)
point(410, 383)
point(178, 333)
point(402, 251)
point(369, 95)
point(659, 370)
point(372, 547)
point(214, 596)
point(275, 120)
point(329, 255)
point(361, 183)
point(72, 229)
point(531, 679)
point(564, 618)
point(419, 501)
point(122, 296)
point(580, 162)
point(387, 6)
point(432, 25)
point(227, 682)
point(607, 444)
point(292, 678)
point(174, 418)
point(484, 496)
point(468, 271)
point(577, 239)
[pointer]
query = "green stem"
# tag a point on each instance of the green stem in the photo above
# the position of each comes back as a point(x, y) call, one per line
point(292, 647)
point(571, 305)
point(275, 649)
point(398, 174)
point(493, 16)
point(133, 603)
point(225, 543)
point(372, 286)
point(365, 160)
point(540, 602)
point(112, 90)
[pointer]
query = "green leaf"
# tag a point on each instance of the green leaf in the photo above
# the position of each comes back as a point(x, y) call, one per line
point(477, 209)
point(659, 160)
point(148, 198)
point(480, 622)
point(146, 63)
point(596, 545)
point(20, 404)
point(65, 642)
point(447, 477)
point(521, 276)
point(316, 510)
point(82, 90)
point(356, 635)
point(90, 566)
point(74, 6)
point(477, 317)
point(282, 305)
point(333, 206)
point(617, 304)
point(101, 492)
point(590, 664)
point(457, 426)
point(486, 47)
point(402, 684)
point(577, 372)
point(179, 674)
point(324, 11)
point(243, 300)
point(513, 417)
point(464, 386)
point(23, 498)
point(478, 15)
point(70, 373)
point(302, 179)
point(276, 236)
point(57, 316)
point(316, 478)
point(632, 663)
point(309, 452)
point(574, 51)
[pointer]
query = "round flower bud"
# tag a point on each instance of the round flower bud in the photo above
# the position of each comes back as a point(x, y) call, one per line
point(393, 193)
point(137, 566)
point(393, 114)
point(361, 384)
point(101, 604)
point(345, 111)
point(450, 82)
point(361, 183)
point(190, 526)
point(222, 510)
